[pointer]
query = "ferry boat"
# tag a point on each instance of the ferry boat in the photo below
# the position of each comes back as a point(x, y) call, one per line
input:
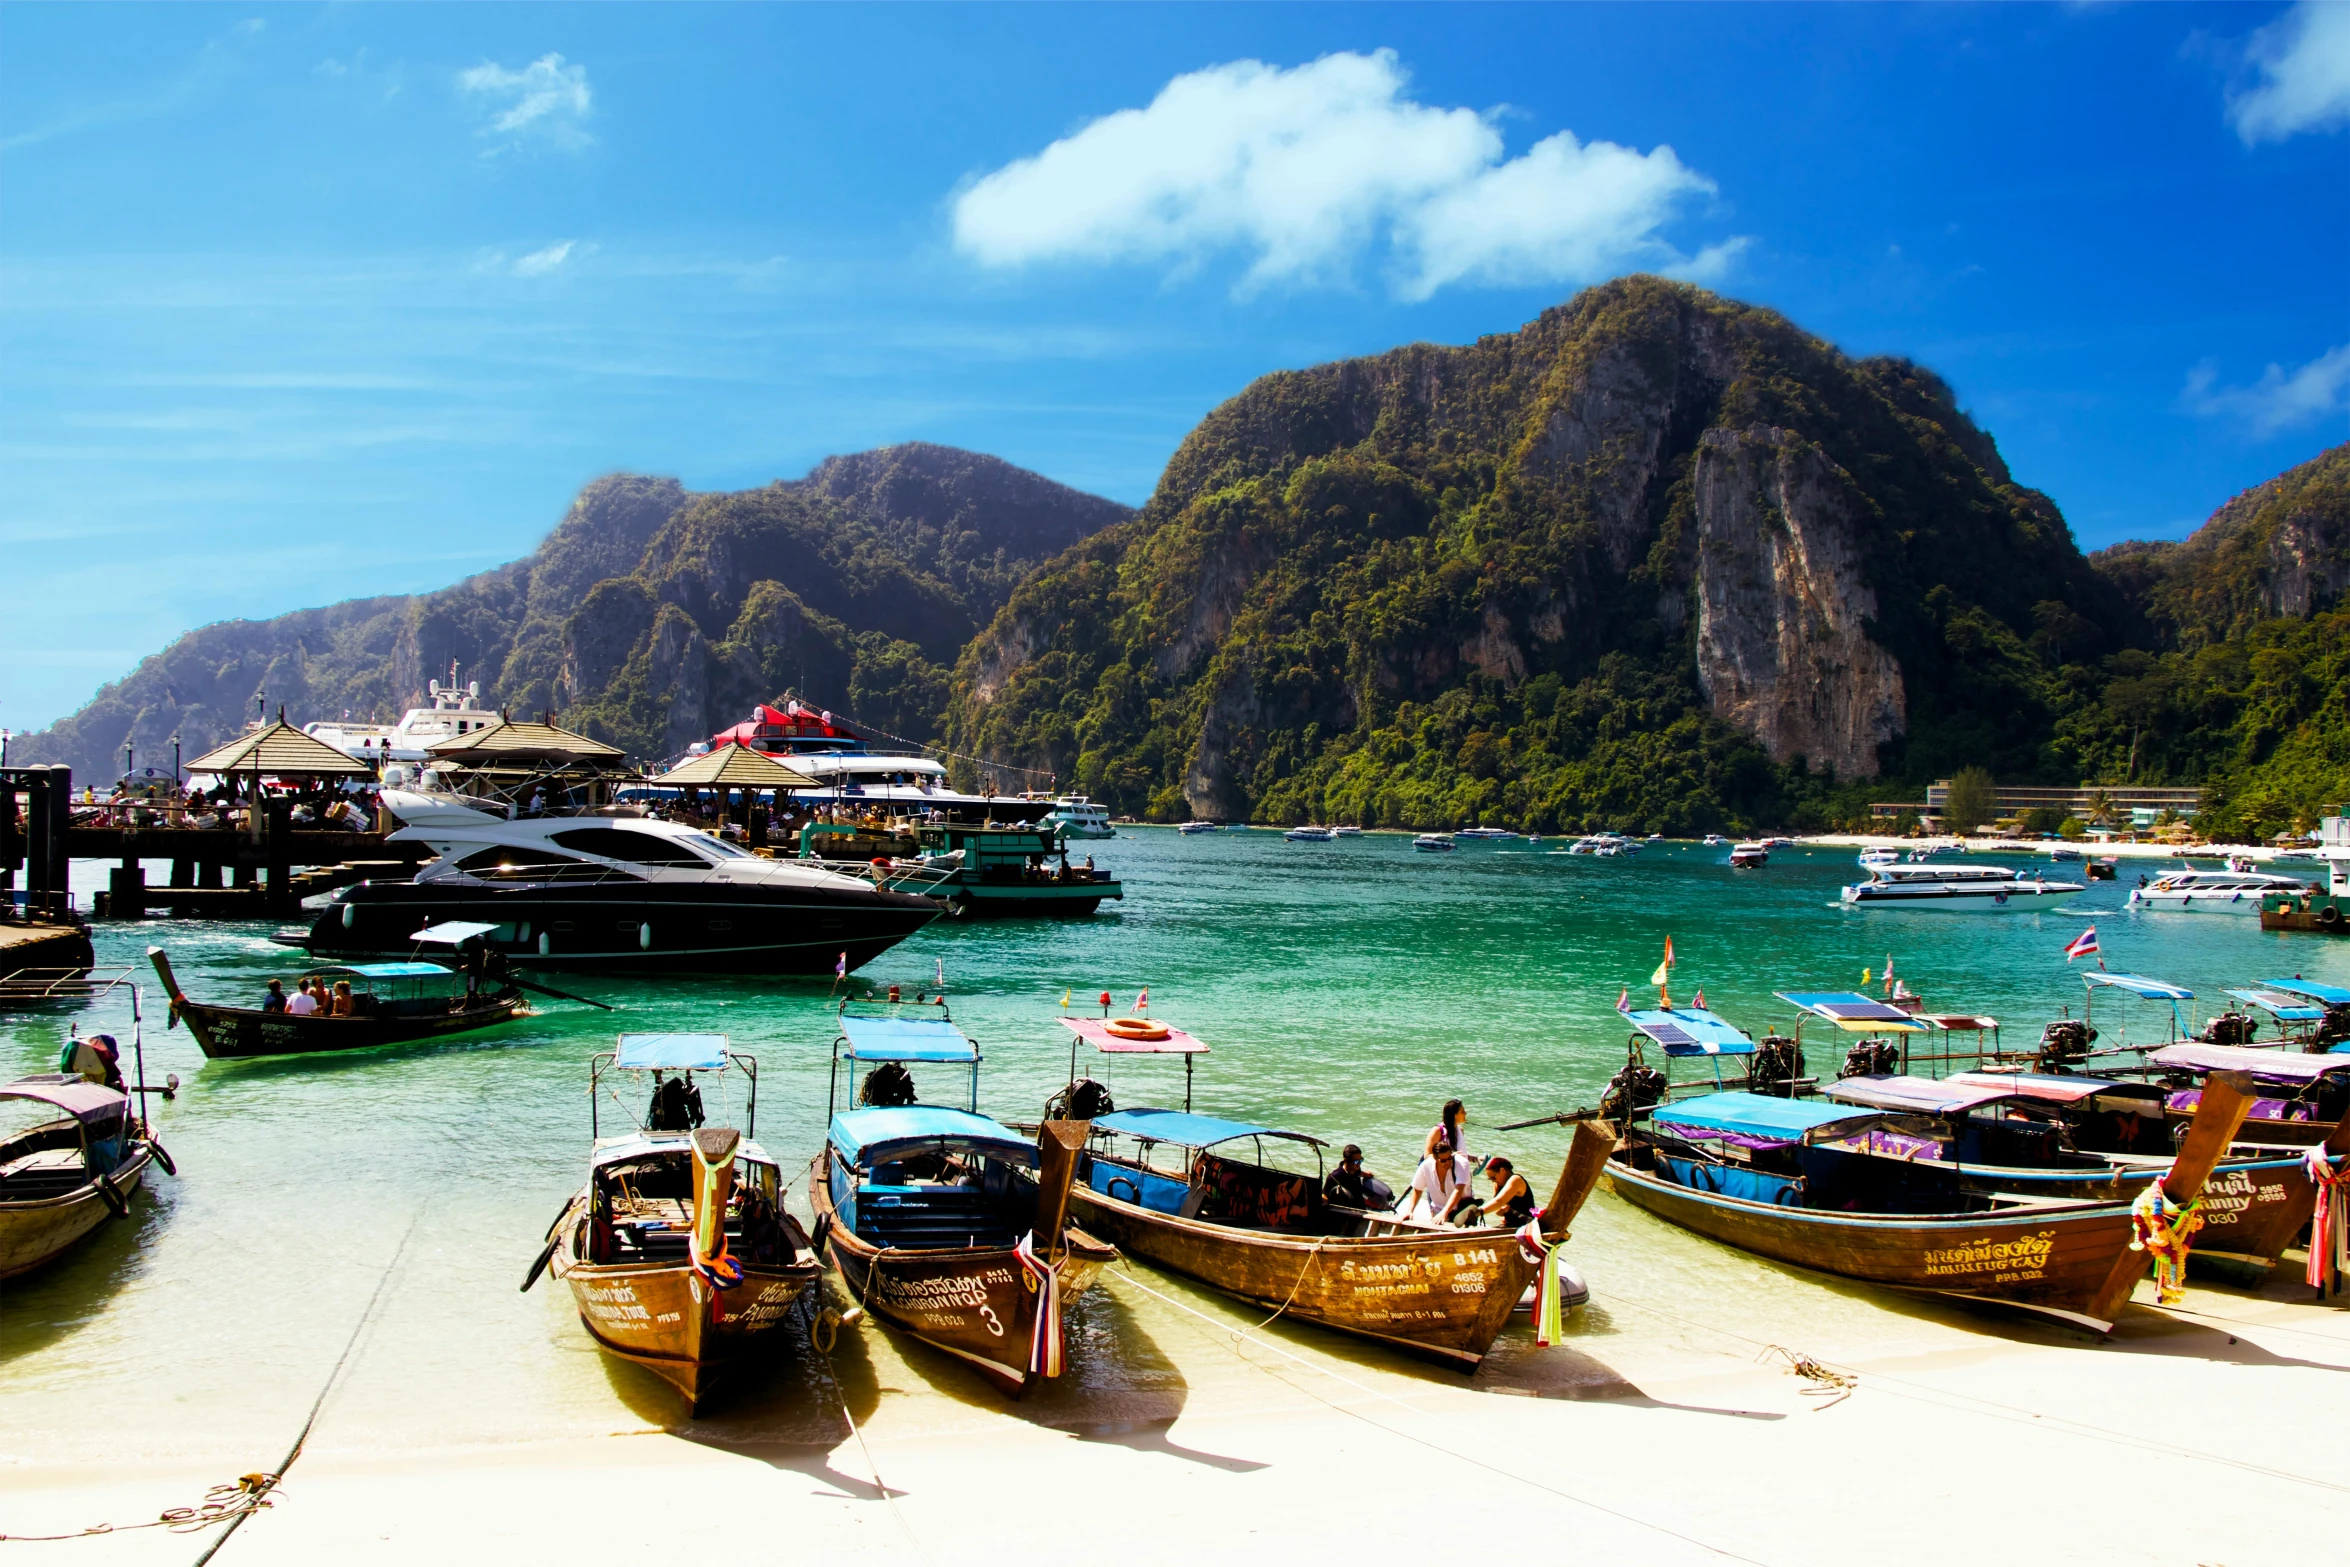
point(1078, 817)
point(1000, 871)
point(850, 767)
point(1750, 856)
point(450, 710)
point(1484, 832)
point(1346, 832)
point(1194, 829)
point(1977, 889)
point(2215, 892)
point(1311, 835)
point(1434, 843)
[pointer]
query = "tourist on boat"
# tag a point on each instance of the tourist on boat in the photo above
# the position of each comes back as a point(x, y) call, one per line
point(1512, 1204)
point(303, 1003)
point(1352, 1186)
point(1438, 1187)
point(343, 1004)
point(1450, 1129)
point(275, 1000)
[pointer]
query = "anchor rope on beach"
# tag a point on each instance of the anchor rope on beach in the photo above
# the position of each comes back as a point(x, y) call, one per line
point(830, 1320)
point(1832, 1386)
point(1236, 1337)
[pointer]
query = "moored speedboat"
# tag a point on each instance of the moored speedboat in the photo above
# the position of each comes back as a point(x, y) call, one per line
point(1347, 832)
point(1311, 835)
point(1750, 856)
point(1434, 843)
point(1870, 857)
point(2215, 892)
point(1968, 889)
point(679, 1252)
point(1078, 817)
point(1023, 872)
point(1194, 829)
point(1479, 833)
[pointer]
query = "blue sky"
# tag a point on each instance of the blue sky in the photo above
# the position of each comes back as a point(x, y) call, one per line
point(299, 303)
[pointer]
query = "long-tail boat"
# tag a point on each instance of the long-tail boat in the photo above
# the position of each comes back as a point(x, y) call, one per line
point(2302, 1097)
point(77, 1166)
point(1267, 1236)
point(392, 1003)
point(943, 1222)
point(1784, 1179)
point(679, 1252)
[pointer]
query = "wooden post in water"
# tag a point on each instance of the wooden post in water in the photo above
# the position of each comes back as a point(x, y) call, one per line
point(1058, 1143)
point(1594, 1141)
point(2219, 1115)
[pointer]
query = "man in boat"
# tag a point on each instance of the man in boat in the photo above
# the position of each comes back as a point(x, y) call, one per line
point(1439, 1187)
point(303, 1002)
point(1352, 1186)
point(275, 1000)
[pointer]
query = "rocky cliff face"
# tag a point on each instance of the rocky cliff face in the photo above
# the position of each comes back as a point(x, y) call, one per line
point(650, 614)
point(1364, 557)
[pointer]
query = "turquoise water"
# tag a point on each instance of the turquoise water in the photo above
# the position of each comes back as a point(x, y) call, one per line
point(1346, 989)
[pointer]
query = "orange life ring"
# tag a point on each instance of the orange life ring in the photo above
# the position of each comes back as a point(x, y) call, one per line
point(1136, 1028)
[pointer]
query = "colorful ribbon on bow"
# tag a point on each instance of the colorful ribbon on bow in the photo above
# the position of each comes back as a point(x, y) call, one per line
point(2330, 1218)
point(1540, 1250)
point(1044, 1340)
point(2163, 1228)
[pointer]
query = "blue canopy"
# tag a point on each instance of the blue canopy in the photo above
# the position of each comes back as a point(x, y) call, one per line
point(2332, 995)
point(1691, 1031)
point(2288, 1009)
point(671, 1052)
point(905, 1039)
point(2138, 985)
point(453, 932)
point(1843, 1006)
point(869, 1137)
point(1760, 1115)
point(396, 970)
point(1186, 1130)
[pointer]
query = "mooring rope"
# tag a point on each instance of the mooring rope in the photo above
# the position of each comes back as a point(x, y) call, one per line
point(1236, 1337)
point(840, 1397)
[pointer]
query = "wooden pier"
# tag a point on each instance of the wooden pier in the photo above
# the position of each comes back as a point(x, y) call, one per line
point(222, 873)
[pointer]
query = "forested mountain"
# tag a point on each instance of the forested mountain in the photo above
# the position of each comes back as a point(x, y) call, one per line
point(1657, 560)
point(650, 615)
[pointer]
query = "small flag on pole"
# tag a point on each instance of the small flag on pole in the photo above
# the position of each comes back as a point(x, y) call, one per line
point(1699, 1003)
point(1143, 1001)
point(840, 970)
point(1624, 1001)
point(1064, 1000)
point(1664, 970)
point(1865, 976)
point(2082, 945)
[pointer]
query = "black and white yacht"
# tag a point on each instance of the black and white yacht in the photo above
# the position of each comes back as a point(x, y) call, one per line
point(616, 891)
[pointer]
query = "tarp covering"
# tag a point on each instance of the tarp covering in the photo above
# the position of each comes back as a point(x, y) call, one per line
point(905, 1039)
point(1187, 1130)
point(2139, 985)
point(1758, 1116)
point(452, 933)
point(394, 970)
point(1177, 1042)
point(1919, 1095)
point(2289, 1009)
point(2050, 1088)
point(869, 1137)
point(2278, 1066)
point(1691, 1031)
point(1845, 1006)
point(2332, 995)
point(76, 1095)
point(671, 1052)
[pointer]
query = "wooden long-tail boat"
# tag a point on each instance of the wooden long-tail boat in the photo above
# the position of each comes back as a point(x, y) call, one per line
point(679, 1252)
point(2302, 1096)
point(1779, 1178)
point(394, 1003)
point(71, 1171)
point(1267, 1236)
point(944, 1223)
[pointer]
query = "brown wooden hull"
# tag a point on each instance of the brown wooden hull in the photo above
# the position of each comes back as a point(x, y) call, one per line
point(2252, 1208)
point(1442, 1295)
point(237, 1033)
point(665, 1319)
point(974, 1302)
point(2058, 1260)
point(39, 1230)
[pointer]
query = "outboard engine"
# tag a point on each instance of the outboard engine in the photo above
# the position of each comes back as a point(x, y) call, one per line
point(886, 1085)
point(2064, 1045)
point(1635, 1089)
point(1778, 1062)
point(2229, 1028)
point(1871, 1058)
point(2334, 1027)
point(1084, 1100)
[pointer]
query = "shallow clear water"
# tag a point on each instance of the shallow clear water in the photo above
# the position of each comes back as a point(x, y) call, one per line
point(1347, 989)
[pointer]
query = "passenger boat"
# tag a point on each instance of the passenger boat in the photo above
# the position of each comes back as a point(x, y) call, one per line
point(1001, 871)
point(1869, 857)
point(679, 1252)
point(1346, 832)
point(1714, 840)
point(2300, 1098)
point(392, 1003)
point(847, 767)
point(78, 1164)
point(1075, 816)
point(1480, 833)
point(1434, 843)
point(2325, 912)
point(1195, 828)
point(944, 1223)
point(1799, 1181)
point(2215, 892)
point(1965, 889)
point(1311, 835)
point(1750, 856)
point(1266, 1235)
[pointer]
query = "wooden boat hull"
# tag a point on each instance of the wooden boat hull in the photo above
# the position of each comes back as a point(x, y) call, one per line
point(238, 1033)
point(2057, 1260)
point(664, 1318)
point(974, 1302)
point(36, 1231)
point(1443, 1295)
point(2252, 1208)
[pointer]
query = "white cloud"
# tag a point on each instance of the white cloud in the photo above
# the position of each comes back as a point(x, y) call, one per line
point(541, 262)
point(2303, 59)
point(2279, 400)
point(547, 100)
point(1306, 169)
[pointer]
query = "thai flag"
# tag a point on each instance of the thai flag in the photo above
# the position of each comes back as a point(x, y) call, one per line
point(2083, 944)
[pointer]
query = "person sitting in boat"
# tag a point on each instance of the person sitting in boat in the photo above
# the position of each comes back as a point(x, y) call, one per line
point(275, 999)
point(302, 1003)
point(1352, 1186)
point(1512, 1204)
point(1451, 1128)
point(1438, 1188)
point(343, 1005)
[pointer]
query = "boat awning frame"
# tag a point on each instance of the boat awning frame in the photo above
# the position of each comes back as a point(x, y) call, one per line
point(2331, 995)
point(1185, 1129)
point(2050, 1088)
point(865, 1138)
point(1177, 1042)
point(2276, 1066)
point(1763, 1117)
point(1690, 1031)
point(1851, 1011)
point(906, 1039)
point(2139, 985)
point(401, 970)
point(76, 1095)
point(452, 933)
point(671, 1053)
point(1915, 1095)
point(2282, 1007)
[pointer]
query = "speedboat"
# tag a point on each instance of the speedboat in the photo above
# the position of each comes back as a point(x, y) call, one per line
point(1748, 856)
point(1346, 832)
point(1194, 829)
point(1977, 889)
point(1714, 840)
point(1434, 843)
point(1078, 817)
point(1310, 835)
point(1484, 832)
point(1236, 827)
point(1870, 857)
point(1590, 845)
point(2214, 892)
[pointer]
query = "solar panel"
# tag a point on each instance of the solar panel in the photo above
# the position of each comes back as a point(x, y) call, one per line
point(1669, 1035)
point(1864, 1012)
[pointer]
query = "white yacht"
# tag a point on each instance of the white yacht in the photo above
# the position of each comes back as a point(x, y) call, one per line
point(1434, 843)
point(1869, 857)
point(1079, 817)
point(1750, 856)
point(1714, 840)
point(451, 710)
point(1193, 829)
point(850, 769)
point(2214, 892)
point(1975, 889)
point(1484, 832)
point(1310, 834)
point(1346, 832)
